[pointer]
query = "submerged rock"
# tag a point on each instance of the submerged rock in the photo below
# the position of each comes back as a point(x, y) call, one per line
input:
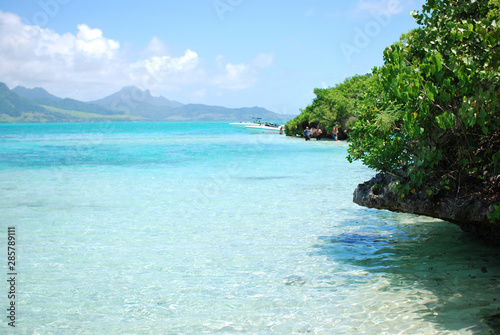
point(469, 212)
point(494, 322)
point(294, 280)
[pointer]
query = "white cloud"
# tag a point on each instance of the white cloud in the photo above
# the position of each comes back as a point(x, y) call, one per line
point(242, 76)
point(220, 60)
point(167, 73)
point(156, 47)
point(173, 65)
point(34, 56)
point(92, 43)
point(263, 60)
point(166, 69)
point(86, 64)
point(235, 77)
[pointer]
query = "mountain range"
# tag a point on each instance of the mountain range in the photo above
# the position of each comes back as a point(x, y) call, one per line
point(129, 104)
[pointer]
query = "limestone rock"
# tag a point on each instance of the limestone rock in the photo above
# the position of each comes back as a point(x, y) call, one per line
point(470, 212)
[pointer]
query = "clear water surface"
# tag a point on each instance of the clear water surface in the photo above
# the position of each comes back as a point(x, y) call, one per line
point(201, 228)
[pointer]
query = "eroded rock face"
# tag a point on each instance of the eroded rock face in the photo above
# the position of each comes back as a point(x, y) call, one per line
point(470, 213)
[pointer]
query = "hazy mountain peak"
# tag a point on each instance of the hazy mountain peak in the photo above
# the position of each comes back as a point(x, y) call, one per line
point(34, 93)
point(131, 96)
point(3, 87)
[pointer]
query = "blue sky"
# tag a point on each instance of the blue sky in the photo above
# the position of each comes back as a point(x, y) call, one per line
point(233, 53)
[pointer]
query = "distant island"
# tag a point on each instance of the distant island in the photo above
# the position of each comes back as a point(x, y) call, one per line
point(129, 104)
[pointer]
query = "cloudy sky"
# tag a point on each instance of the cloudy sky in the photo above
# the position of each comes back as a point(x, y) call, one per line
point(233, 53)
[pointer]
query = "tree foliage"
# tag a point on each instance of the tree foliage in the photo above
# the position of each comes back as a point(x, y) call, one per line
point(434, 113)
point(494, 13)
point(334, 105)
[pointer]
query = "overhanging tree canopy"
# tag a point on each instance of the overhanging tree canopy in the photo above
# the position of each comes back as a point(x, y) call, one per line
point(435, 114)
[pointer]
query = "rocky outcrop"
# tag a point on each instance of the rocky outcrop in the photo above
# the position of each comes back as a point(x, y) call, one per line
point(469, 212)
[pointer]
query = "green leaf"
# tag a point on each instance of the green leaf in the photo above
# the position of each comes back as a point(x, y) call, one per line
point(426, 69)
point(438, 60)
point(430, 90)
point(445, 120)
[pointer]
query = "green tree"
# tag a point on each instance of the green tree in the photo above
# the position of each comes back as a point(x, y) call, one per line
point(434, 118)
point(334, 105)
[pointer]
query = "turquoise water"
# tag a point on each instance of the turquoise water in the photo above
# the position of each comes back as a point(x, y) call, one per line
point(201, 228)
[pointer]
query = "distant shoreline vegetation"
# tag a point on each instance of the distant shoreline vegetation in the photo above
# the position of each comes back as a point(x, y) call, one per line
point(430, 115)
point(332, 106)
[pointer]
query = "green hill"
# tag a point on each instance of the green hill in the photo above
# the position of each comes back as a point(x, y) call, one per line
point(40, 96)
point(13, 106)
point(129, 104)
point(44, 107)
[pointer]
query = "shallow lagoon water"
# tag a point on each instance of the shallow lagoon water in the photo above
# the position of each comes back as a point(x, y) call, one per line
point(201, 228)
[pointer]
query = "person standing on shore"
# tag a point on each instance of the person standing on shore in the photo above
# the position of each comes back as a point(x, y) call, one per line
point(335, 132)
point(318, 134)
point(307, 134)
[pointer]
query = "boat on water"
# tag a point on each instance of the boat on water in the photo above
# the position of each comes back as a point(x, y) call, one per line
point(257, 127)
point(265, 128)
point(243, 124)
point(256, 122)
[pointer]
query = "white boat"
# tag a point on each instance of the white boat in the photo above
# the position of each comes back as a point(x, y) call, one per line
point(243, 124)
point(265, 129)
point(256, 122)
